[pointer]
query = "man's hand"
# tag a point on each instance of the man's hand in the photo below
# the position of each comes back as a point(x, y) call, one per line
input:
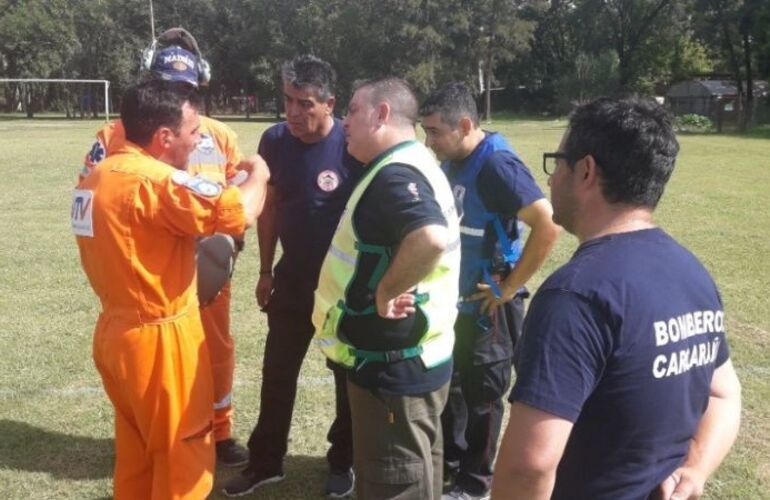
point(254, 165)
point(398, 307)
point(264, 290)
point(685, 483)
point(488, 296)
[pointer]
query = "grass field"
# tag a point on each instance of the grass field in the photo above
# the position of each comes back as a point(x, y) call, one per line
point(56, 423)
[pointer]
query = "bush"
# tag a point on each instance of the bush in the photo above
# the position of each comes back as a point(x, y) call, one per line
point(693, 123)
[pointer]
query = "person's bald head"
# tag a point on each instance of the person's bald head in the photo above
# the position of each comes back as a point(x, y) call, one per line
point(381, 114)
point(397, 93)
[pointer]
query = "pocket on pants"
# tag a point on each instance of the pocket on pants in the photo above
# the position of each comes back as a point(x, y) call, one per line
point(492, 341)
point(389, 472)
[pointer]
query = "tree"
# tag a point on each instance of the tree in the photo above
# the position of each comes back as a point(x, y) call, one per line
point(503, 34)
point(112, 36)
point(633, 23)
point(38, 42)
point(731, 28)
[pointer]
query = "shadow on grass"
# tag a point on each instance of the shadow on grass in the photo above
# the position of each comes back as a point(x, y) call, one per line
point(64, 456)
point(305, 477)
point(29, 448)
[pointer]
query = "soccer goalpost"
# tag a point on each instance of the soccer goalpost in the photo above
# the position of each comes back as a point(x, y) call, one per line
point(105, 83)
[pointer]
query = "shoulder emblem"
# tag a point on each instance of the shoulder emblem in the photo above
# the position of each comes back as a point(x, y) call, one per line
point(206, 145)
point(198, 184)
point(97, 153)
point(94, 156)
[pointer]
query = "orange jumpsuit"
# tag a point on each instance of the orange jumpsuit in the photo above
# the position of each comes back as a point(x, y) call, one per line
point(136, 221)
point(216, 157)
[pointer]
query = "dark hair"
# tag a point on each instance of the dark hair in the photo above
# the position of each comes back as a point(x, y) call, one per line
point(152, 104)
point(633, 143)
point(397, 93)
point(310, 71)
point(452, 102)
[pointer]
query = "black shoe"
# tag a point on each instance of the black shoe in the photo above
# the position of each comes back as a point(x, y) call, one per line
point(231, 454)
point(248, 481)
point(340, 484)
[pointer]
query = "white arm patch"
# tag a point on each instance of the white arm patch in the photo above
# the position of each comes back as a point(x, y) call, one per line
point(82, 213)
point(198, 184)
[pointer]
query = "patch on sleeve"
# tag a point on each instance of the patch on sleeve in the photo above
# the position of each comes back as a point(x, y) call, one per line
point(97, 154)
point(94, 156)
point(412, 188)
point(206, 144)
point(82, 213)
point(198, 184)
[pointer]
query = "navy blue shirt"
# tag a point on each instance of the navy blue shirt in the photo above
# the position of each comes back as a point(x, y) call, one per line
point(398, 201)
point(622, 341)
point(312, 184)
point(506, 185)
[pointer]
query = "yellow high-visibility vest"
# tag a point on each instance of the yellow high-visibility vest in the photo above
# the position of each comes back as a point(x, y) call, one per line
point(436, 295)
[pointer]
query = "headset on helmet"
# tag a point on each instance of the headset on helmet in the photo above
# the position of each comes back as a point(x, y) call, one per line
point(182, 38)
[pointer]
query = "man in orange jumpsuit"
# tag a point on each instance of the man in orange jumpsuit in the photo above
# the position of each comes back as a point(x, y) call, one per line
point(136, 218)
point(175, 56)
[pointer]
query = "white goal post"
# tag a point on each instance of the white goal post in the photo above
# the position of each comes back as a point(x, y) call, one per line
point(106, 84)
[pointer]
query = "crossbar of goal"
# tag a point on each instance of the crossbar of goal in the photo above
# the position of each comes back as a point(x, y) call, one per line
point(106, 84)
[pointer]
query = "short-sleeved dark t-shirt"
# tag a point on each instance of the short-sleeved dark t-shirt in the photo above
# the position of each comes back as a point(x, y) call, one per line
point(398, 201)
point(622, 341)
point(312, 184)
point(506, 185)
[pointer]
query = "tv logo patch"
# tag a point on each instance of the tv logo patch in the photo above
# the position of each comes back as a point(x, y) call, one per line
point(82, 213)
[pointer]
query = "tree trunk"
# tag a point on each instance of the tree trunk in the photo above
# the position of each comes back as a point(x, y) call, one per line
point(748, 112)
point(732, 57)
point(29, 101)
point(488, 84)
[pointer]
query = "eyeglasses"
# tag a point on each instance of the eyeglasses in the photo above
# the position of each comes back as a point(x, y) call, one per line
point(549, 161)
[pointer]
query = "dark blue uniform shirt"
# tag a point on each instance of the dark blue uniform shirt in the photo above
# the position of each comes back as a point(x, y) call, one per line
point(506, 185)
point(312, 184)
point(622, 341)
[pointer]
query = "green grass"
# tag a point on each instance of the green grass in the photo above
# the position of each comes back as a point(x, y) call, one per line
point(56, 423)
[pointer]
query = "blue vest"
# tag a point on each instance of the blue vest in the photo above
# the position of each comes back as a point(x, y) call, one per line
point(482, 253)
